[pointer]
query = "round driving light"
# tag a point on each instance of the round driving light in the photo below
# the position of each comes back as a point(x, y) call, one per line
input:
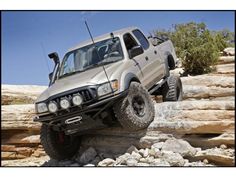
point(65, 104)
point(52, 107)
point(77, 100)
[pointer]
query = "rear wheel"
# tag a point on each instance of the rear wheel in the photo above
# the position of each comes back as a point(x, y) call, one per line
point(172, 89)
point(136, 111)
point(58, 145)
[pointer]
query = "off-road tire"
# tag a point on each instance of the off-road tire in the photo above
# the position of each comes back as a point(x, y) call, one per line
point(172, 89)
point(129, 117)
point(56, 149)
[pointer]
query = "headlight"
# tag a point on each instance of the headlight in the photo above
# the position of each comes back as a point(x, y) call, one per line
point(52, 106)
point(41, 107)
point(77, 100)
point(105, 88)
point(64, 103)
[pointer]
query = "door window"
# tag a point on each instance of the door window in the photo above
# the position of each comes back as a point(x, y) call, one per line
point(129, 41)
point(141, 38)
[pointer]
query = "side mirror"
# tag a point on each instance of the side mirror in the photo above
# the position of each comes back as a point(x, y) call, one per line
point(50, 76)
point(135, 51)
point(54, 57)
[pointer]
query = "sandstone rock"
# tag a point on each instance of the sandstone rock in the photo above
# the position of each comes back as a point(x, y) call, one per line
point(31, 161)
point(121, 160)
point(229, 51)
point(132, 149)
point(210, 141)
point(226, 59)
point(157, 145)
point(188, 117)
point(225, 69)
point(11, 156)
point(200, 92)
point(197, 164)
point(179, 146)
point(131, 162)
point(144, 152)
point(136, 155)
point(160, 163)
point(26, 151)
point(88, 156)
point(19, 117)
point(218, 156)
point(20, 94)
point(155, 152)
point(38, 153)
point(174, 159)
point(149, 139)
point(223, 146)
point(6, 148)
point(205, 161)
point(209, 81)
point(21, 138)
point(106, 162)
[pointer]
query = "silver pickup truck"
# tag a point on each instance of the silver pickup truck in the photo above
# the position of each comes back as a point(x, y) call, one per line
point(103, 82)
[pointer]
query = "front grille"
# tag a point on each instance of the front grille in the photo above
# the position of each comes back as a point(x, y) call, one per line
point(86, 95)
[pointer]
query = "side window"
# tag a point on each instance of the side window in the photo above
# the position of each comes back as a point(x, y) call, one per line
point(141, 38)
point(129, 41)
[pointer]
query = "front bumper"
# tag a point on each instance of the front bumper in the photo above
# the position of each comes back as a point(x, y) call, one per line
point(96, 108)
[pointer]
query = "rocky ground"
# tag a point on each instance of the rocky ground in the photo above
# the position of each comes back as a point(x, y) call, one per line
point(198, 131)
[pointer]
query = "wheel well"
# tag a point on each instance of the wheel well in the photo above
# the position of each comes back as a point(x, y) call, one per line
point(134, 80)
point(171, 62)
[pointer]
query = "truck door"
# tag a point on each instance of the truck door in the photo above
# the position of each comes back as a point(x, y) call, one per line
point(152, 59)
point(138, 62)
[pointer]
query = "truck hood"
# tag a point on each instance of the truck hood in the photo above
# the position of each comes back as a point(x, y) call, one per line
point(89, 77)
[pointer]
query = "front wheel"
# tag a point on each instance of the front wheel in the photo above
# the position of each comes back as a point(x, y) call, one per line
point(58, 145)
point(136, 111)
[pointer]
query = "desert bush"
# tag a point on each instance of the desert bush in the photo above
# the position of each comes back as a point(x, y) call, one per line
point(197, 47)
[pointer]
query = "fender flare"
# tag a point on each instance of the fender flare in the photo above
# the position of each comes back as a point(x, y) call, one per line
point(129, 77)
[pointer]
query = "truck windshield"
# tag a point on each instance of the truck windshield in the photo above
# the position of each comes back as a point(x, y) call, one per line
point(103, 52)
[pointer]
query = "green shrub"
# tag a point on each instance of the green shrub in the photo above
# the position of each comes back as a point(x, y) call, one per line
point(196, 46)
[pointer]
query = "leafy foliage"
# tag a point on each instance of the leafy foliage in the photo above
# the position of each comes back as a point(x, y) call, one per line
point(197, 47)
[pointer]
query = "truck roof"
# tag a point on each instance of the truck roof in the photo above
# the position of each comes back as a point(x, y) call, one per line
point(104, 36)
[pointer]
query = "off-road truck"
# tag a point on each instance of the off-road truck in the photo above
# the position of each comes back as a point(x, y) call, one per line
point(102, 81)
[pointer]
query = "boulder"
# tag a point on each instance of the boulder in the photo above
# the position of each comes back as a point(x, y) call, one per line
point(179, 146)
point(229, 51)
point(131, 162)
point(87, 156)
point(106, 162)
point(174, 159)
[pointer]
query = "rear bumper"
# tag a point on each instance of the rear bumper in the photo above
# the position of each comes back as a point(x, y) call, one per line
point(95, 108)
